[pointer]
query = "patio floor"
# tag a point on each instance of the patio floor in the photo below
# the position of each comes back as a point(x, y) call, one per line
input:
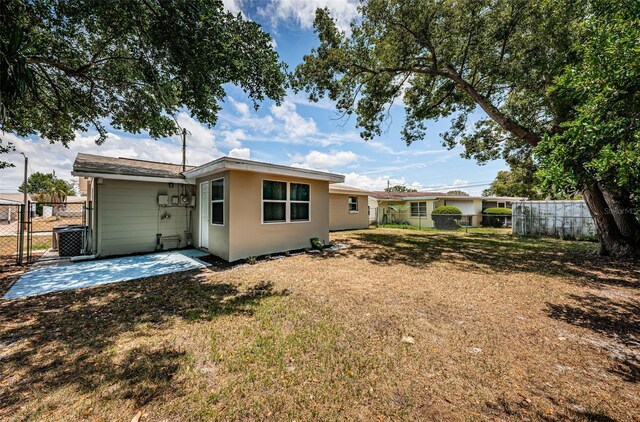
point(69, 276)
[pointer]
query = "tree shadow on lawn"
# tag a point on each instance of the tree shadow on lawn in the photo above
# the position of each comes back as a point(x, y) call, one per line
point(64, 339)
point(619, 320)
point(491, 253)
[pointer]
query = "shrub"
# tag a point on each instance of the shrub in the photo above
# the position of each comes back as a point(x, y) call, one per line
point(497, 211)
point(445, 218)
point(446, 210)
point(496, 217)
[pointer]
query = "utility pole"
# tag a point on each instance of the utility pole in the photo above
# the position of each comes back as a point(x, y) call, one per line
point(26, 186)
point(184, 149)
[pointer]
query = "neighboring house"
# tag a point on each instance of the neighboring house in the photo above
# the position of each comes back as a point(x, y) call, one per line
point(415, 208)
point(348, 207)
point(233, 208)
point(10, 206)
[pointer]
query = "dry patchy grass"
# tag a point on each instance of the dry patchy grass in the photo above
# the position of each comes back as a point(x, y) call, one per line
point(506, 329)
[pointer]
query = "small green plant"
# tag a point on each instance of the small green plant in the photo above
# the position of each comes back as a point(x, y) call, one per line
point(497, 211)
point(251, 260)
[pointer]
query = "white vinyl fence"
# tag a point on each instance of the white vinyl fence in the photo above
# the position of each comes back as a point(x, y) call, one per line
point(564, 219)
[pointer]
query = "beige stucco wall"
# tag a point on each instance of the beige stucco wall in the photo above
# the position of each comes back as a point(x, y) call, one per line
point(339, 216)
point(128, 216)
point(218, 243)
point(468, 207)
point(248, 236)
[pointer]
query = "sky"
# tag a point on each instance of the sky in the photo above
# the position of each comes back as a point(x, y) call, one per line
point(297, 132)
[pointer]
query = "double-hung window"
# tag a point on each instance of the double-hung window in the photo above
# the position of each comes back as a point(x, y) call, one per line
point(418, 209)
point(284, 202)
point(217, 202)
point(353, 204)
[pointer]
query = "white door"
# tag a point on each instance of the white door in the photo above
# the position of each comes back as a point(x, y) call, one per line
point(204, 215)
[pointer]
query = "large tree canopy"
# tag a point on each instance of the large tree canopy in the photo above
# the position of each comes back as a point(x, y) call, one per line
point(449, 58)
point(68, 66)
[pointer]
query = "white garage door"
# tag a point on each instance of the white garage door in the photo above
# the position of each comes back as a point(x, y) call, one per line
point(465, 206)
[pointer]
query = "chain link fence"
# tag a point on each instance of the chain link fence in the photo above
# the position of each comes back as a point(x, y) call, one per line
point(10, 217)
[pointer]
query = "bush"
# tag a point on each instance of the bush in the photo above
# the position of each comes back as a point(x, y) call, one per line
point(496, 217)
point(497, 211)
point(445, 218)
point(446, 210)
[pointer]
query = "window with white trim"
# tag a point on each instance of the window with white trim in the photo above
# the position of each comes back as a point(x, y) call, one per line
point(353, 204)
point(284, 202)
point(501, 205)
point(418, 209)
point(217, 202)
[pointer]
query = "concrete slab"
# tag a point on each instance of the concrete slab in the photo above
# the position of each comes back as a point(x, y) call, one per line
point(69, 276)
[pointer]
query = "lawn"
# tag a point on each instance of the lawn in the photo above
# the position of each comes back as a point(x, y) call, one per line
point(494, 328)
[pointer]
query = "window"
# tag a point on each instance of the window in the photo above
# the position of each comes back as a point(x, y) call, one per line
point(299, 201)
point(418, 209)
point(502, 205)
point(353, 204)
point(217, 202)
point(282, 205)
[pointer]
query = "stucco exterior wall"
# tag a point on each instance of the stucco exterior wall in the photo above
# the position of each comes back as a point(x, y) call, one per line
point(249, 236)
point(340, 218)
point(128, 216)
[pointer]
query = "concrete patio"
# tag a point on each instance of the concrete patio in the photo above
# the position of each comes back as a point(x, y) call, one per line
point(69, 276)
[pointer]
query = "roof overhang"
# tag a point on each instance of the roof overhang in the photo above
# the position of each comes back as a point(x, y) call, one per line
point(81, 173)
point(227, 163)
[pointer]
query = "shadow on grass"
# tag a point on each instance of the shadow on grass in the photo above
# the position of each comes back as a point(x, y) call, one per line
point(64, 339)
point(617, 319)
point(491, 253)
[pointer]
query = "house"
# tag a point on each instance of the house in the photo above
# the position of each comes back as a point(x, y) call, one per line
point(10, 206)
point(415, 208)
point(233, 208)
point(348, 207)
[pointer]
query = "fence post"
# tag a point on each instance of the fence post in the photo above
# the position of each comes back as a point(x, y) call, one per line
point(21, 234)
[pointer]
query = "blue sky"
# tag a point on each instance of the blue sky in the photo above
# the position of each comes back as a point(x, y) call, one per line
point(295, 133)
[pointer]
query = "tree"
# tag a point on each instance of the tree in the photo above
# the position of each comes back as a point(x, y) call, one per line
point(602, 133)
point(520, 181)
point(458, 192)
point(448, 59)
point(68, 66)
point(399, 188)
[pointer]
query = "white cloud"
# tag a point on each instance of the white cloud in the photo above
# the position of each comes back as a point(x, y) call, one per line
point(240, 107)
point(321, 161)
point(234, 138)
point(363, 181)
point(233, 6)
point(295, 125)
point(303, 12)
point(240, 153)
point(46, 157)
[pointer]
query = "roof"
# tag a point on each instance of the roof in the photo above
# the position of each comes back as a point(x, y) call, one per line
point(406, 196)
point(127, 168)
point(344, 189)
point(13, 198)
point(230, 163)
point(89, 164)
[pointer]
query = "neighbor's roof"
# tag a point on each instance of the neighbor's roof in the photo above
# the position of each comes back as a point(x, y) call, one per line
point(344, 189)
point(89, 164)
point(13, 198)
point(406, 196)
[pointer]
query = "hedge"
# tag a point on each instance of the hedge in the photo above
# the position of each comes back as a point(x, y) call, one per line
point(446, 210)
point(497, 211)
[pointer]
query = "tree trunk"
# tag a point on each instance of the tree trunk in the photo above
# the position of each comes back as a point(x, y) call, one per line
point(612, 241)
point(622, 210)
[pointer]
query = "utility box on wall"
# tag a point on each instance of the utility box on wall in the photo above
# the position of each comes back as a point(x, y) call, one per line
point(163, 200)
